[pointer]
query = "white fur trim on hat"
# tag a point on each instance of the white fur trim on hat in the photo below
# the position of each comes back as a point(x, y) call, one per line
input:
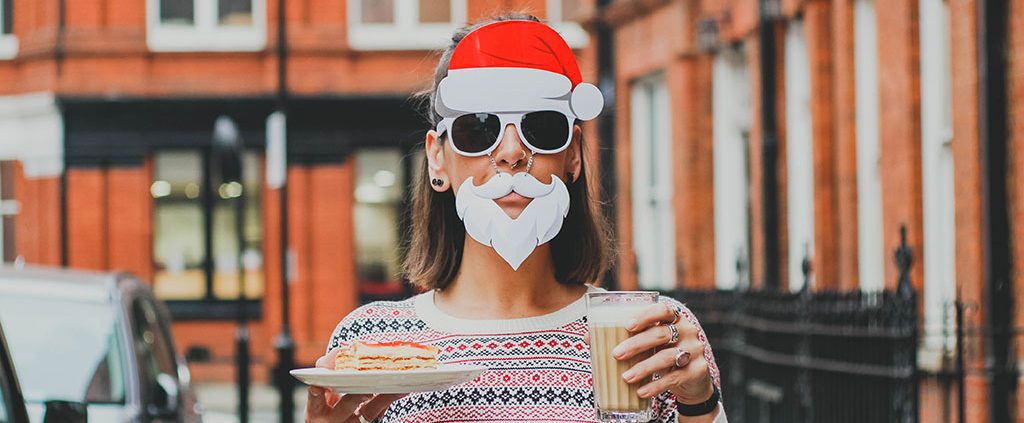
point(505, 90)
point(587, 101)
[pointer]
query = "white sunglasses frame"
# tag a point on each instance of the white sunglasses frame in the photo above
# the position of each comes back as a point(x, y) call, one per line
point(505, 118)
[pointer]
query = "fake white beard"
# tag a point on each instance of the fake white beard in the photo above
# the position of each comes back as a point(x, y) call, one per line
point(513, 239)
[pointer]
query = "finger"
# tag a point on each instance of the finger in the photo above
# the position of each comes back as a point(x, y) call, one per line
point(652, 315)
point(332, 398)
point(656, 363)
point(347, 405)
point(689, 380)
point(316, 404)
point(376, 406)
point(326, 361)
point(653, 337)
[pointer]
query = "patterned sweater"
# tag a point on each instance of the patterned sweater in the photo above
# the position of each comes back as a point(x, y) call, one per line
point(539, 367)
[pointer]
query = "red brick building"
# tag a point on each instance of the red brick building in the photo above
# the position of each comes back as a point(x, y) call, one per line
point(875, 109)
point(107, 111)
point(878, 112)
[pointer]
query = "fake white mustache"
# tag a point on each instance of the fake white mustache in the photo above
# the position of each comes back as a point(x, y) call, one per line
point(504, 183)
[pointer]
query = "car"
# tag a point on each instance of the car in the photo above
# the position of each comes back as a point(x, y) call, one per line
point(12, 403)
point(97, 338)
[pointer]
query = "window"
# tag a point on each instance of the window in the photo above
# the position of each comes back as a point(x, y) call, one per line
point(3, 397)
point(566, 16)
point(8, 42)
point(871, 254)
point(196, 246)
point(206, 25)
point(799, 156)
point(403, 24)
point(155, 355)
point(731, 114)
point(151, 343)
point(379, 192)
point(653, 225)
point(937, 179)
point(97, 370)
point(8, 210)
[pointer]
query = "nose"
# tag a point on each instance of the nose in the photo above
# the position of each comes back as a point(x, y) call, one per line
point(511, 152)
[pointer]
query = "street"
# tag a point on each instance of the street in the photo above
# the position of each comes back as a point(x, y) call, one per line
point(220, 402)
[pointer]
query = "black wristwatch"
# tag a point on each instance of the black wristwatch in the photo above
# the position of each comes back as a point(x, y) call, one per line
point(694, 410)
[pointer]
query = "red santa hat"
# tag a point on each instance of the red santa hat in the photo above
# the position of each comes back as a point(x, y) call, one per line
point(516, 66)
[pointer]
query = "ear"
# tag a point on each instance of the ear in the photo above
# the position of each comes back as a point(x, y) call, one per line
point(435, 161)
point(574, 154)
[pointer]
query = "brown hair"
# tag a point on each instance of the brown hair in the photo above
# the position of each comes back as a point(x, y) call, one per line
point(433, 253)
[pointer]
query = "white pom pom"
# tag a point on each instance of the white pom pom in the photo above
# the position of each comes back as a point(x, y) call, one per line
point(587, 101)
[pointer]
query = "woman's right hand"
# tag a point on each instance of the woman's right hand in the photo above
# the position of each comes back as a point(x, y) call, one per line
point(323, 405)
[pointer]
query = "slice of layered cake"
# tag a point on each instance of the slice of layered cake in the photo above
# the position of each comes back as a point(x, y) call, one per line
point(398, 355)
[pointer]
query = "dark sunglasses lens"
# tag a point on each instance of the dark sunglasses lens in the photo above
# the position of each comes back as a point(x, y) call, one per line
point(546, 130)
point(476, 132)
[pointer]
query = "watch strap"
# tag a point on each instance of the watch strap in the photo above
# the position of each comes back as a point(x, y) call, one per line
point(693, 410)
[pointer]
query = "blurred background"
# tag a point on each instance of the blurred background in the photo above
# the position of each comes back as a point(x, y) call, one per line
point(834, 186)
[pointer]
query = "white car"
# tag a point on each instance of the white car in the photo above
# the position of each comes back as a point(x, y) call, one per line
point(97, 338)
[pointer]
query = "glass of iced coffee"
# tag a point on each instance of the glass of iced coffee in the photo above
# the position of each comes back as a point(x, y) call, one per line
point(608, 315)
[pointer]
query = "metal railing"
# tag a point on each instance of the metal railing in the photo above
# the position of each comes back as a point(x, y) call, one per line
point(815, 356)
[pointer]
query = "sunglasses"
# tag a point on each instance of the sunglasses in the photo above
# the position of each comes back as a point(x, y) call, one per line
point(478, 134)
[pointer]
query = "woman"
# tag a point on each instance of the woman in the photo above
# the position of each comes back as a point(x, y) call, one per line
point(505, 242)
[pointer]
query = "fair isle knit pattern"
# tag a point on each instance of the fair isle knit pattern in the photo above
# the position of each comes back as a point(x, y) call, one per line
point(539, 367)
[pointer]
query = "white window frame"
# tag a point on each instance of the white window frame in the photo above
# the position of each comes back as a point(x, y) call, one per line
point(7, 208)
point(206, 34)
point(731, 115)
point(8, 42)
point(799, 153)
point(870, 243)
point(572, 32)
point(406, 32)
point(654, 238)
point(937, 183)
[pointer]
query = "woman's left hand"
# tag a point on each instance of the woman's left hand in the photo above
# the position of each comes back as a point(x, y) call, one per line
point(679, 363)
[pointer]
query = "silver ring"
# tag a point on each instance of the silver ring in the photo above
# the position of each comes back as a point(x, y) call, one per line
point(675, 334)
point(680, 353)
point(362, 419)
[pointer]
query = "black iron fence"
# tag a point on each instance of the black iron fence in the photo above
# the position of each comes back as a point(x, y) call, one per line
point(815, 356)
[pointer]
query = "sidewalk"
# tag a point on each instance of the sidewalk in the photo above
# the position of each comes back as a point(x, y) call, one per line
point(220, 403)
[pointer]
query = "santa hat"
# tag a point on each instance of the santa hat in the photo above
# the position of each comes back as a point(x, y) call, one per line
point(515, 66)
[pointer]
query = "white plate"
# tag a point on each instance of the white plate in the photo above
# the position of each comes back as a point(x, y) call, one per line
point(389, 381)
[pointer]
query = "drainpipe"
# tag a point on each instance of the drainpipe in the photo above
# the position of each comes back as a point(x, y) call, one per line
point(284, 343)
point(58, 47)
point(769, 143)
point(992, 113)
point(606, 126)
point(58, 58)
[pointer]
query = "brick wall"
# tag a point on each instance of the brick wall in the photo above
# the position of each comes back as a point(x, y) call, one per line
point(644, 45)
point(37, 225)
point(970, 273)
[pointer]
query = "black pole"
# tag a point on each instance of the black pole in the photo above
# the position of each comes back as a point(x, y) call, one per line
point(207, 200)
point(992, 104)
point(769, 145)
point(227, 151)
point(242, 333)
point(284, 344)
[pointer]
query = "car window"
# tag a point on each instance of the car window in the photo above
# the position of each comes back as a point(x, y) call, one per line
point(65, 350)
point(151, 343)
point(3, 397)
